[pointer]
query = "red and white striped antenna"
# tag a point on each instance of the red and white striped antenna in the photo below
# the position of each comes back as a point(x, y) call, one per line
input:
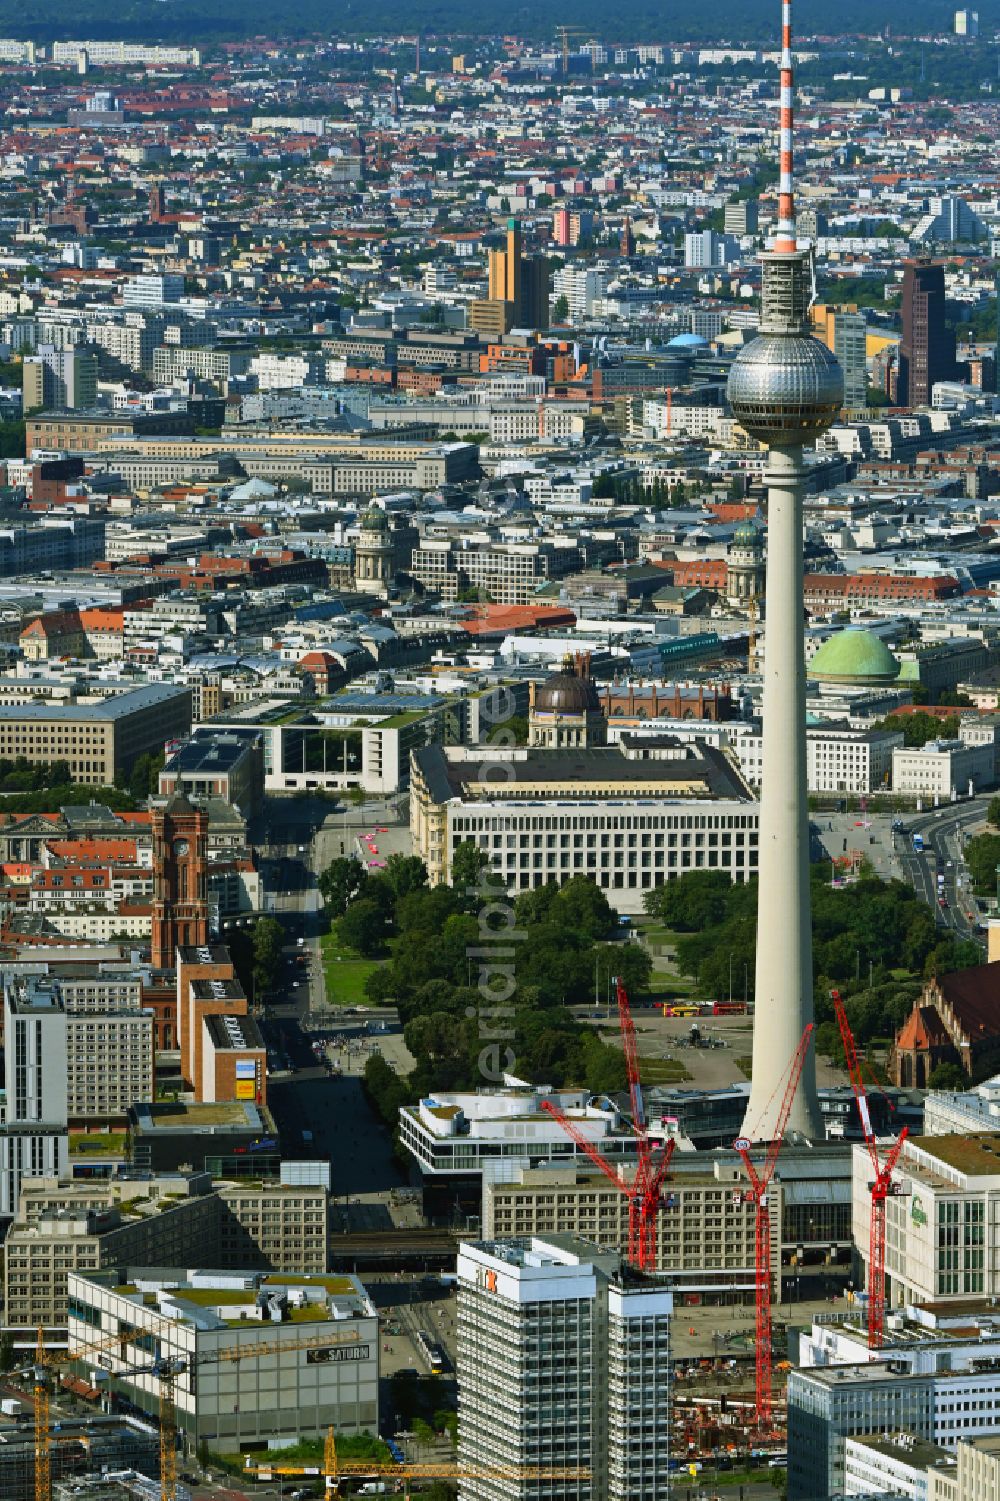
point(785, 241)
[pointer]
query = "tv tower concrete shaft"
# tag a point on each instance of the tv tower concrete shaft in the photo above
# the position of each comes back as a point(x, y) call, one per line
point(785, 388)
point(784, 987)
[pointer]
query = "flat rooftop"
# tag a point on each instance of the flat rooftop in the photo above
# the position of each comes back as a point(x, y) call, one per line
point(210, 756)
point(119, 707)
point(209, 1299)
point(179, 1116)
point(599, 773)
point(223, 989)
point(235, 1034)
point(209, 953)
point(978, 1155)
point(905, 1447)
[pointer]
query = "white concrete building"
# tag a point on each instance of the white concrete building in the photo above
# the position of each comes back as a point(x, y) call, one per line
point(943, 1224)
point(287, 372)
point(894, 1464)
point(942, 767)
point(34, 1141)
point(262, 1356)
point(563, 1361)
point(580, 288)
point(147, 290)
point(630, 824)
point(964, 1111)
point(932, 1384)
point(452, 1137)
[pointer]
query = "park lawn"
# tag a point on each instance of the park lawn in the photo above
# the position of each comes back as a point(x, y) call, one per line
point(655, 932)
point(344, 972)
point(662, 1071)
point(668, 979)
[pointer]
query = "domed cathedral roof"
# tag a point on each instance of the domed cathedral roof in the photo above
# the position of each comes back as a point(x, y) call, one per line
point(749, 533)
point(374, 520)
point(854, 655)
point(570, 690)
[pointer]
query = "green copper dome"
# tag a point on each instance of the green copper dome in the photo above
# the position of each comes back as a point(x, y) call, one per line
point(854, 655)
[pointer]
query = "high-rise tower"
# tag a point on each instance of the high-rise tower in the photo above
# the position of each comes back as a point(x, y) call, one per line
point(785, 388)
point(927, 347)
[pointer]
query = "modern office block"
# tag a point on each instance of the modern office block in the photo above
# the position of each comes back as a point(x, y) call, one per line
point(563, 1364)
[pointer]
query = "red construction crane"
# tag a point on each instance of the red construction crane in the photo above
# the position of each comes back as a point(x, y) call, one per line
point(880, 1187)
point(643, 1193)
point(759, 1184)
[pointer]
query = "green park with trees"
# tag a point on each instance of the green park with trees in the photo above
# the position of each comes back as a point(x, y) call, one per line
point(876, 941)
point(430, 939)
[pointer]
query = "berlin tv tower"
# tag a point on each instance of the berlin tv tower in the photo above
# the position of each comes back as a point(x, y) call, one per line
point(785, 388)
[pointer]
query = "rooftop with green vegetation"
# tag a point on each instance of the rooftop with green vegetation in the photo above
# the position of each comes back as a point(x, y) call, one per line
point(978, 1156)
point(97, 1143)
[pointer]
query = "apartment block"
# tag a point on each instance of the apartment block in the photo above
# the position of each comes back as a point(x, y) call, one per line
point(107, 1056)
point(510, 573)
point(64, 378)
point(171, 362)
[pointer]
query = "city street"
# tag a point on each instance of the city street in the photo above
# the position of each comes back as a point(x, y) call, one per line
point(943, 829)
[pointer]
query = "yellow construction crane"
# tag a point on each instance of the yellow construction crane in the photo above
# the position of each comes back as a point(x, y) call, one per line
point(50, 1360)
point(334, 1469)
point(564, 33)
point(167, 1368)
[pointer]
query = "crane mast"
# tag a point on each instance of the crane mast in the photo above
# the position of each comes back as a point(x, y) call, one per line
point(880, 1186)
point(760, 1182)
point(643, 1193)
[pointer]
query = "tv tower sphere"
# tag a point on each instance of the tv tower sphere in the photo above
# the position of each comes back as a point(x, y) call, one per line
point(785, 388)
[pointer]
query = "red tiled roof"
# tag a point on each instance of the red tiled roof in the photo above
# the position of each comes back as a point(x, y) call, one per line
point(920, 1030)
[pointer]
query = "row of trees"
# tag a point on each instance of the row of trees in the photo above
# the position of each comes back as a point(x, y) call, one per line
point(268, 941)
point(873, 940)
point(982, 856)
point(919, 728)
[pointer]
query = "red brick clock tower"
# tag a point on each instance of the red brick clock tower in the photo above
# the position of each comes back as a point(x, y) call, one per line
point(180, 878)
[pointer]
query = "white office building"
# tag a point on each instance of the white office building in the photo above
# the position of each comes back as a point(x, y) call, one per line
point(563, 1363)
point(705, 248)
point(455, 1137)
point(892, 1464)
point(153, 290)
point(629, 817)
point(934, 1380)
point(943, 1225)
point(942, 767)
point(975, 1109)
point(581, 289)
point(262, 1356)
point(34, 1141)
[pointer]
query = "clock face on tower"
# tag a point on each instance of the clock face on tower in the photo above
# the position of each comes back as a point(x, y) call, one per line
point(181, 848)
